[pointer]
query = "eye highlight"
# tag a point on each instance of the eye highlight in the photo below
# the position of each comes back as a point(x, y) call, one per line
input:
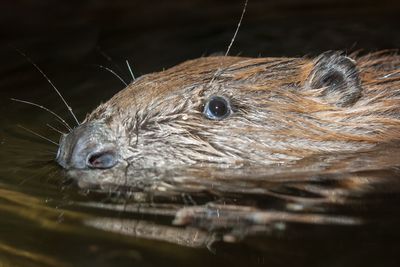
point(217, 108)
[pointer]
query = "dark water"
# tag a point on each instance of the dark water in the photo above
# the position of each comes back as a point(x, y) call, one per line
point(336, 211)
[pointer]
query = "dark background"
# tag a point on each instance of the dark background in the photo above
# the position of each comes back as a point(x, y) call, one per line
point(156, 34)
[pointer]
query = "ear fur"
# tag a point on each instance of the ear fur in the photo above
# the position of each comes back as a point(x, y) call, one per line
point(335, 78)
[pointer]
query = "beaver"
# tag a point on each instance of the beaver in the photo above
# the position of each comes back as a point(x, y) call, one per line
point(237, 111)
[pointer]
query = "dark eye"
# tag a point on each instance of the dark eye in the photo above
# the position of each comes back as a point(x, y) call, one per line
point(217, 108)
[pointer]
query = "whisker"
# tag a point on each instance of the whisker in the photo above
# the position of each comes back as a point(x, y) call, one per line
point(112, 72)
point(219, 71)
point(50, 82)
point(237, 28)
point(55, 129)
point(38, 135)
point(130, 70)
point(46, 109)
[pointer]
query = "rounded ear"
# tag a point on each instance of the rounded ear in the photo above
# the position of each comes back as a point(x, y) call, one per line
point(335, 79)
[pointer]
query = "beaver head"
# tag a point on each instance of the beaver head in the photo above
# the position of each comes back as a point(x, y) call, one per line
point(234, 111)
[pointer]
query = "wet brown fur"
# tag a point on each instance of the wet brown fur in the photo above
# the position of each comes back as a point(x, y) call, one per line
point(157, 120)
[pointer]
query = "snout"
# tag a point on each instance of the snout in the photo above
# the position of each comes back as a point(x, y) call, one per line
point(89, 146)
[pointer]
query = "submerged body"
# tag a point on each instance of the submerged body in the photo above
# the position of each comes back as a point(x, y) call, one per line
point(234, 111)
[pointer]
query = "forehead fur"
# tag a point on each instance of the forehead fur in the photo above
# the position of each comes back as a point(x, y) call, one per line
point(379, 75)
point(208, 72)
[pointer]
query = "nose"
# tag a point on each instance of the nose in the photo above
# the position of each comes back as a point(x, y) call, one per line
point(88, 146)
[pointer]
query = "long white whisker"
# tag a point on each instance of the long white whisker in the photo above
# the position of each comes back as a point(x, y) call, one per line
point(112, 72)
point(46, 109)
point(237, 28)
point(130, 70)
point(219, 71)
point(51, 83)
point(55, 129)
point(38, 135)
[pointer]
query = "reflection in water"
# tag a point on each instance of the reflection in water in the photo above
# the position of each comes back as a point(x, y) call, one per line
point(233, 204)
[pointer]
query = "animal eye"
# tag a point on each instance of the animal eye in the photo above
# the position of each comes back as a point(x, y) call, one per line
point(217, 108)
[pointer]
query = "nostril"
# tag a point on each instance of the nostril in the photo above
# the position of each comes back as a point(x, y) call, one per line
point(89, 146)
point(101, 160)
